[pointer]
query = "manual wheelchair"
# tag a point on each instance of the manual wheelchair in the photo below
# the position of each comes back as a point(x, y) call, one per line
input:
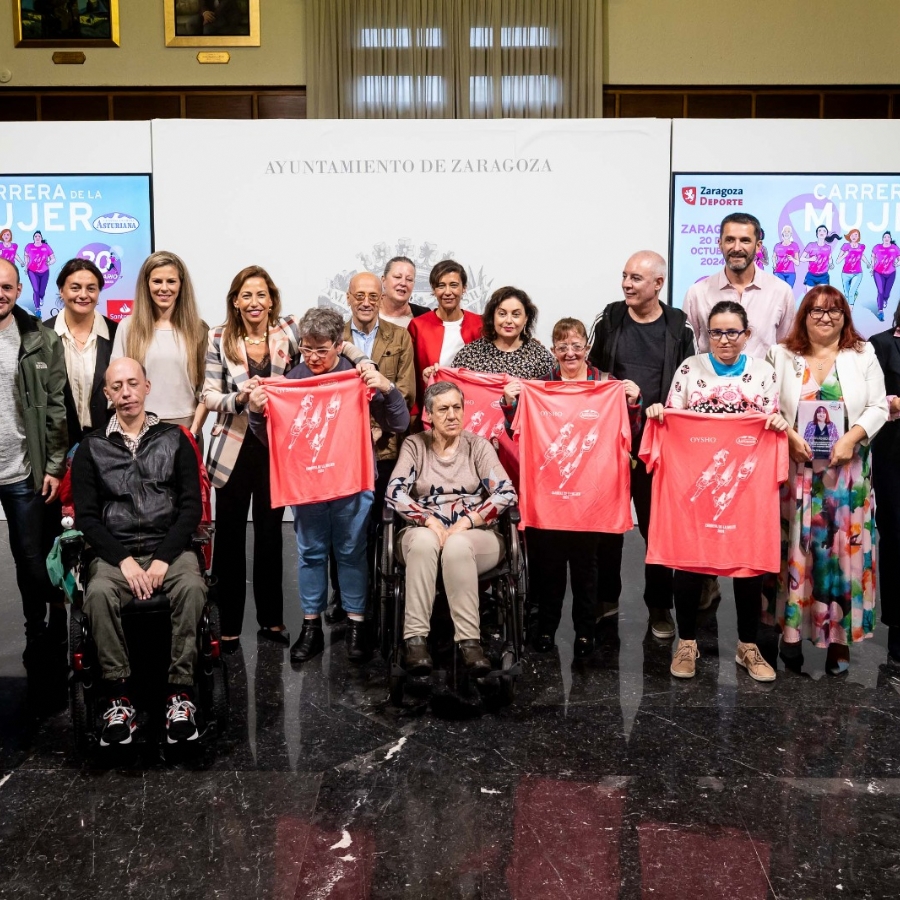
point(149, 654)
point(502, 592)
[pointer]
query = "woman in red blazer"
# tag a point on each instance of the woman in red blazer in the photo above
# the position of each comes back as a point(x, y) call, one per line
point(440, 334)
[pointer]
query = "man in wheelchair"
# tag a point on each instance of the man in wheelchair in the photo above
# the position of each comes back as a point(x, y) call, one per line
point(450, 488)
point(136, 491)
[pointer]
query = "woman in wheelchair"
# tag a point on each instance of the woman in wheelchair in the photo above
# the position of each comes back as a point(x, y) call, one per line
point(450, 487)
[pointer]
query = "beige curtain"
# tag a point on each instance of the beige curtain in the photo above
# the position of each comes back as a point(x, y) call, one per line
point(454, 58)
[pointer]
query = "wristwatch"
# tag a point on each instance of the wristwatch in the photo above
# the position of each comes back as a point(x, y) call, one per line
point(391, 386)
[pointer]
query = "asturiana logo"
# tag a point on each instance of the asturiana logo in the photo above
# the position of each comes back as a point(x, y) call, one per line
point(116, 223)
point(589, 414)
point(746, 440)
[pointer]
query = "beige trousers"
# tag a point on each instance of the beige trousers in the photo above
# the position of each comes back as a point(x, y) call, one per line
point(463, 558)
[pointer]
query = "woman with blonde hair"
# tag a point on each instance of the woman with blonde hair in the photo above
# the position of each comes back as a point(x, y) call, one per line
point(166, 335)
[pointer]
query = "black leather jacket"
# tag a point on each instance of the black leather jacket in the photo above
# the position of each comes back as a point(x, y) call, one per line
point(146, 505)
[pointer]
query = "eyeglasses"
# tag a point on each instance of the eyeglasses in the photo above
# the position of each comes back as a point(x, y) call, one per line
point(716, 334)
point(372, 298)
point(308, 352)
point(564, 348)
point(818, 313)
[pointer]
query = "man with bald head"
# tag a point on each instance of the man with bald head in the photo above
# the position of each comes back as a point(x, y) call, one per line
point(33, 444)
point(136, 489)
point(389, 346)
point(644, 340)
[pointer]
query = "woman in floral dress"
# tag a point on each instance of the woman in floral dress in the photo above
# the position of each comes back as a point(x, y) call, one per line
point(826, 590)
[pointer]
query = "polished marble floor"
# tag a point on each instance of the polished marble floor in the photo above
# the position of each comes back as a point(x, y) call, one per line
point(606, 779)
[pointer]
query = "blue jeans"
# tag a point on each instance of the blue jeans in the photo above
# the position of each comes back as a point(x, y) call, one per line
point(342, 525)
point(851, 285)
point(26, 515)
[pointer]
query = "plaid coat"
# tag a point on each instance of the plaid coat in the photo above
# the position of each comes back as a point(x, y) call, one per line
point(224, 381)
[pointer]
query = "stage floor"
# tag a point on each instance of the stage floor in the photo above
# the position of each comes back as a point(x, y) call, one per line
point(605, 779)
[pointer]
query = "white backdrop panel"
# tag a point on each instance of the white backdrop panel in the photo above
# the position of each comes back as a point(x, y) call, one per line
point(313, 202)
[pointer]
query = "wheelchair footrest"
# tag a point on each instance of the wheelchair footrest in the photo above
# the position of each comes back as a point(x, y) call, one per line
point(514, 671)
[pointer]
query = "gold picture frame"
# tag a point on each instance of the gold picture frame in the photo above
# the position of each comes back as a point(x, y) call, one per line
point(186, 25)
point(66, 23)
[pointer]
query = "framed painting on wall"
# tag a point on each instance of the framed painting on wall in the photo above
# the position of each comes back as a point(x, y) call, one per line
point(66, 23)
point(212, 23)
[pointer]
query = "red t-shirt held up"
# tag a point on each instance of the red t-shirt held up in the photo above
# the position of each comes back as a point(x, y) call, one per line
point(320, 442)
point(574, 441)
point(715, 493)
point(483, 415)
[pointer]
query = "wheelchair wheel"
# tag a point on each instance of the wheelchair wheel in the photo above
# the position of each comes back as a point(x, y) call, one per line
point(507, 682)
point(396, 682)
point(81, 724)
point(217, 678)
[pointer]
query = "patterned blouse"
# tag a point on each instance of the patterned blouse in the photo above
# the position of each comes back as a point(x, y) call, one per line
point(697, 387)
point(471, 481)
point(531, 360)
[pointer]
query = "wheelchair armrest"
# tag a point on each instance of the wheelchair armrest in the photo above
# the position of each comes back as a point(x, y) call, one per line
point(71, 550)
point(515, 516)
point(387, 514)
point(202, 536)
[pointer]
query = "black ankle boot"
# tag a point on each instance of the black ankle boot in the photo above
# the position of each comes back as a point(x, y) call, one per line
point(310, 643)
point(416, 658)
point(357, 644)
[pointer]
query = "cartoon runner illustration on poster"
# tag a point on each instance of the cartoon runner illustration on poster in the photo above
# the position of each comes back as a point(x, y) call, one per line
point(787, 256)
point(885, 259)
point(818, 254)
point(106, 219)
point(762, 255)
point(825, 223)
point(9, 250)
point(38, 259)
point(852, 255)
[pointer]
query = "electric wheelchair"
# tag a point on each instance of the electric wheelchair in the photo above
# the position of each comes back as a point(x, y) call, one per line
point(503, 593)
point(147, 627)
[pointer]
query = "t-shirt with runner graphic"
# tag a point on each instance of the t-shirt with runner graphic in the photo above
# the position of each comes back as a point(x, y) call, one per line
point(784, 257)
point(483, 393)
point(819, 257)
point(853, 259)
point(320, 440)
point(575, 468)
point(884, 258)
point(715, 486)
point(38, 255)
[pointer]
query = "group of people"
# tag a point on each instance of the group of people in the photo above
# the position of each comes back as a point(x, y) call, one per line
point(737, 346)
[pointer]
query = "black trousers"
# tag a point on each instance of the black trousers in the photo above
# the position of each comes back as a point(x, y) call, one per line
point(747, 598)
point(886, 484)
point(384, 468)
point(551, 556)
point(657, 579)
point(249, 483)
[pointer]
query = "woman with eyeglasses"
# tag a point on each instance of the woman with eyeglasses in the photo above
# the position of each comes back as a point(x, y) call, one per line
point(555, 554)
point(724, 381)
point(255, 343)
point(826, 590)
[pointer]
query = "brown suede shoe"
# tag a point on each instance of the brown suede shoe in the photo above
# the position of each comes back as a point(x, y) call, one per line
point(474, 659)
point(416, 658)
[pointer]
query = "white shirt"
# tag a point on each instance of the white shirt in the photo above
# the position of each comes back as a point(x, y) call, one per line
point(172, 396)
point(81, 362)
point(402, 321)
point(453, 341)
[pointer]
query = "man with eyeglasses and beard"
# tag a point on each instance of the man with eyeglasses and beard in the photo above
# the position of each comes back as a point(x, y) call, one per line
point(643, 340)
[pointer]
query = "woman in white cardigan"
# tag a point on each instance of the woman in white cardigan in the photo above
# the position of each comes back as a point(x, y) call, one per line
point(826, 591)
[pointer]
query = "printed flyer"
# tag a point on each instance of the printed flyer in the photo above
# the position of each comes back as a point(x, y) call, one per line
point(46, 220)
point(817, 229)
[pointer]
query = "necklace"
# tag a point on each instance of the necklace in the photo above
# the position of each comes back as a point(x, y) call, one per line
point(254, 341)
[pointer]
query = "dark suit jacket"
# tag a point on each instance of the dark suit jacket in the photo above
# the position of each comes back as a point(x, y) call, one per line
point(100, 411)
point(417, 310)
point(886, 443)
